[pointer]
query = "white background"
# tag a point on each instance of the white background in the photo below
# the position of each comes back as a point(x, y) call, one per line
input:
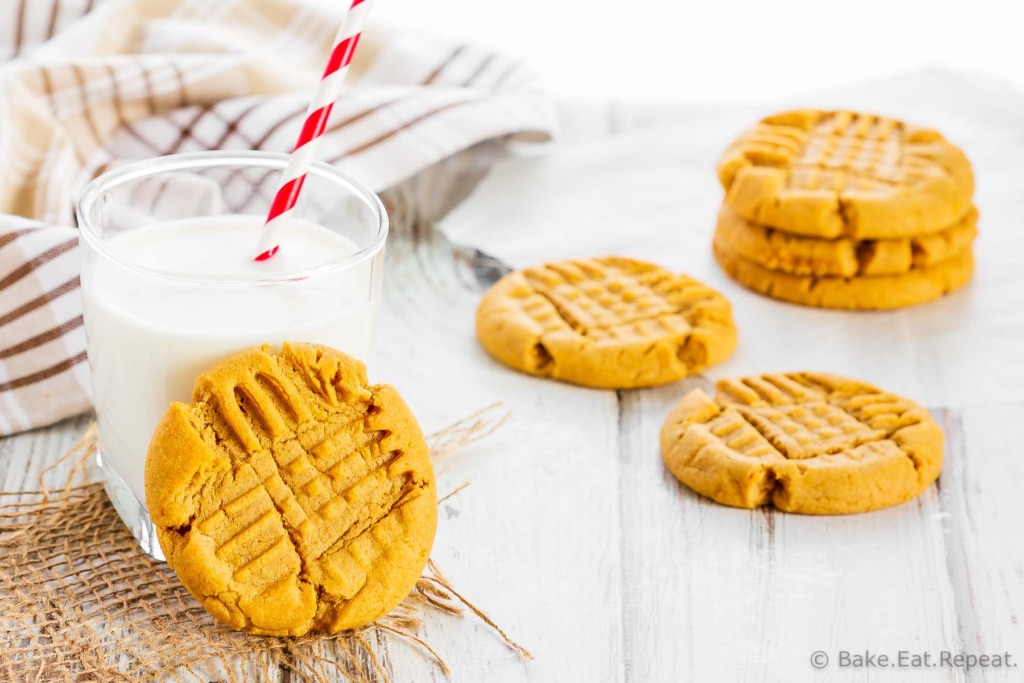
point(727, 50)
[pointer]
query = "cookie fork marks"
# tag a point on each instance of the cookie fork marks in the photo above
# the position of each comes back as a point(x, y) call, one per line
point(310, 493)
point(831, 174)
point(609, 322)
point(810, 443)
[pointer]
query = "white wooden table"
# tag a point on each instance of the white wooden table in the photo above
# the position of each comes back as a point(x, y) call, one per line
point(580, 544)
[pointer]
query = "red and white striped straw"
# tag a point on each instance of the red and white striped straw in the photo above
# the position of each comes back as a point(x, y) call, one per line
point(316, 122)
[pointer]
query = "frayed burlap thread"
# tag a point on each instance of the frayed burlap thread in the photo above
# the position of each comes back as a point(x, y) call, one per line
point(80, 602)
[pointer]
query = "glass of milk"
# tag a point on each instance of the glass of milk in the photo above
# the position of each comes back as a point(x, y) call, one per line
point(170, 287)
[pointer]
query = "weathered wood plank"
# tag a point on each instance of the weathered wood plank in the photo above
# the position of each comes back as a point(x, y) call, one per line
point(23, 457)
point(983, 512)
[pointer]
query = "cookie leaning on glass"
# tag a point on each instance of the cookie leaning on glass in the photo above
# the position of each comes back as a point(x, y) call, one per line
point(291, 495)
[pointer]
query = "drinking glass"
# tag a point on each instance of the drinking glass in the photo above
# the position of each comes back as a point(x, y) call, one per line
point(162, 305)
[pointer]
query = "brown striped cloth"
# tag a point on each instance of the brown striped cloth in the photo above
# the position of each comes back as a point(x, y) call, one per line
point(87, 84)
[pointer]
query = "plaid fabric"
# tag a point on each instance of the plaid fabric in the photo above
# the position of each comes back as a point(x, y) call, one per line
point(88, 84)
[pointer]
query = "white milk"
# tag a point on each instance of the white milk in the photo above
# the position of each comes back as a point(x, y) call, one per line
point(149, 338)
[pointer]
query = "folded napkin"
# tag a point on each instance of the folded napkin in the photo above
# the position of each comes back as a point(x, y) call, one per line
point(88, 85)
point(642, 183)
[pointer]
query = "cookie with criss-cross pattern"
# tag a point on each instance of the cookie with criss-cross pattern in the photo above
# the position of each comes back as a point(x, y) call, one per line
point(605, 322)
point(291, 495)
point(803, 442)
point(837, 174)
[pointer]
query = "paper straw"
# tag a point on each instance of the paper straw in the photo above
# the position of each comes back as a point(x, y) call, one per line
point(317, 114)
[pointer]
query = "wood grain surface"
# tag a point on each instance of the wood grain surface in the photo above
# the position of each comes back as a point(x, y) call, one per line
point(579, 543)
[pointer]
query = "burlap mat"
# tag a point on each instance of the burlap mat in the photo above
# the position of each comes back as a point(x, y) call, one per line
point(80, 602)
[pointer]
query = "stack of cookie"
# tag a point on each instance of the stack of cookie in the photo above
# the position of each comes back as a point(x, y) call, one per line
point(844, 210)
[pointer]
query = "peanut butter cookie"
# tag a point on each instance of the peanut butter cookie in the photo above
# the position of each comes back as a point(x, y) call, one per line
point(608, 322)
point(842, 174)
point(804, 442)
point(860, 293)
point(777, 250)
point(290, 495)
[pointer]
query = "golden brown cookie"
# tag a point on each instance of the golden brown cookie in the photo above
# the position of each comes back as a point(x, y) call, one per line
point(777, 250)
point(837, 174)
point(860, 293)
point(809, 443)
point(291, 495)
point(608, 322)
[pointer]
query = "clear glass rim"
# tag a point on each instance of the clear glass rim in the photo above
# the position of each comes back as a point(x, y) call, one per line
point(211, 159)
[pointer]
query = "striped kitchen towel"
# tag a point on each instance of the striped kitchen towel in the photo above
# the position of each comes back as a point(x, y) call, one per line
point(88, 84)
